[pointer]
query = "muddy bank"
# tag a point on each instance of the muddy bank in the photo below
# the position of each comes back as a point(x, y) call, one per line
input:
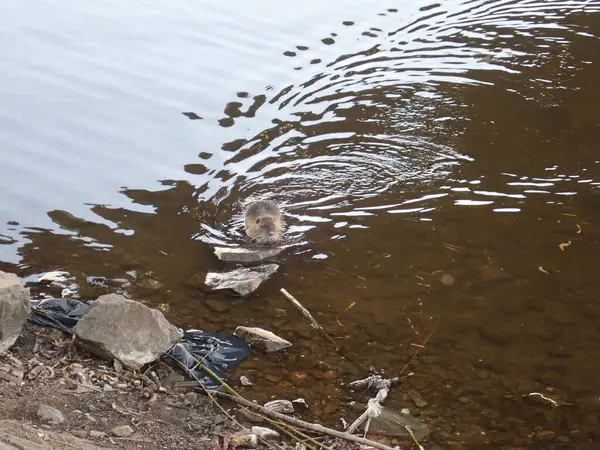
point(110, 408)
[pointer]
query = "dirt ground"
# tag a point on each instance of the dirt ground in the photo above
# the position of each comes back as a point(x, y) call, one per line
point(45, 367)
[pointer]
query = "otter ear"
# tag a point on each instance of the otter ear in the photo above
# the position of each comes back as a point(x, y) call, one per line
point(258, 220)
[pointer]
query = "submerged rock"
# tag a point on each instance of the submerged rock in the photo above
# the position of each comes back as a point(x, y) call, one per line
point(242, 255)
point(14, 308)
point(114, 327)
point(243, 280)
point(260, 338)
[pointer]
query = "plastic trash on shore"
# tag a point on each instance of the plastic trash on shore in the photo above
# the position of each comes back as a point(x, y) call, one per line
point(219, 353)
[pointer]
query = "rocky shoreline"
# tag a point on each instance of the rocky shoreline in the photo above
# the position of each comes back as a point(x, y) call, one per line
point(102, 375)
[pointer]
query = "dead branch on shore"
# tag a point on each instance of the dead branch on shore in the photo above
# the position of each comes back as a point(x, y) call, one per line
point(302, 424)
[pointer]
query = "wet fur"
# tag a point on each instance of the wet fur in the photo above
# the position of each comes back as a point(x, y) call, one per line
point(263, 222)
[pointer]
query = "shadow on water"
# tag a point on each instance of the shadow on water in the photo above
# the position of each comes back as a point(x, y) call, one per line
point(443, 173)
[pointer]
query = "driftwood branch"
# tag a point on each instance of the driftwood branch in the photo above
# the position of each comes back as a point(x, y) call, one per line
point(302, 424)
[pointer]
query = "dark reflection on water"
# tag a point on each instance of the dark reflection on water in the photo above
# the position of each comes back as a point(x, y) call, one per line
point(438, 166)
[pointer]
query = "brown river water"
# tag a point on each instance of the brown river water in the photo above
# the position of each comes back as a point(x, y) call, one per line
point(430, 158)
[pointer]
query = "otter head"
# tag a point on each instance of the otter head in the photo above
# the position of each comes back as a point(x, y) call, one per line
point(265, 230)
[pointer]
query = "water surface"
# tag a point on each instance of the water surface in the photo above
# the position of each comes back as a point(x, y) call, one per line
point(431, 158)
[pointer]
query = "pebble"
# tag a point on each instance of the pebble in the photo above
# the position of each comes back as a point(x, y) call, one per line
point(265, 433)
point(419, 401)
point(79, 433)
point(447, 280)
point(463, 399)
point(122, 431)
point(563, 439)
point(122, 386)
point(218, 306)
point(90, 418)
point(191, 397)
point(50, 414)
point(245, 381)
point(107, 388)
point(97, 434)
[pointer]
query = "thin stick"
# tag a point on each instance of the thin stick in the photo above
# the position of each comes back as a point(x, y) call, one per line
point(316, 325)
point(304, 311)
point(302, 424)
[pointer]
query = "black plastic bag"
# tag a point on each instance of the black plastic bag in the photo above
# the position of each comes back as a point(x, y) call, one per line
point(217, 352)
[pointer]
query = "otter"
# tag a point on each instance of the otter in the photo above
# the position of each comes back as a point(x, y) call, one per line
point(263, 222)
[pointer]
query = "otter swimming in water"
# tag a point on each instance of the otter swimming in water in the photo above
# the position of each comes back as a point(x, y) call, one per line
point(263, 222)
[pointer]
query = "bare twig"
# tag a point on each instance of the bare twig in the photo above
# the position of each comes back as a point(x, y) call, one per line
point(316, 325)
point(302, 424)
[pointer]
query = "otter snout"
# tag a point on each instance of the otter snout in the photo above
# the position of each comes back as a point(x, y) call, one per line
point(263, 222)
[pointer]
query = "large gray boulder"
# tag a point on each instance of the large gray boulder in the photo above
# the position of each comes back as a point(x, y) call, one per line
point(14, 309)
point(115, 327)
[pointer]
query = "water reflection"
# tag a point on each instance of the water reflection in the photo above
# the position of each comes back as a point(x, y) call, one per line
point(430, 161)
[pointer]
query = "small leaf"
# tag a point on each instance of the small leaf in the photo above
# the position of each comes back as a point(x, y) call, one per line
point(541, 269)
point(564, 245)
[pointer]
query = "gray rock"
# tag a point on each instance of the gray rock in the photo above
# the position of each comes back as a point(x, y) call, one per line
point(14, 309)
point(280, 406)
point(244, 255)
point(191, 397)
point(97, 434)
point(265, 433)
point(122, 431)
point(49, 414)
point(260, 338)
point(114, 327)
point(243, 280)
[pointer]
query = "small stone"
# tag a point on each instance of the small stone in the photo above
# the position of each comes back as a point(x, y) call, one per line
point(447, 280)
point(50, 414)
point(122, 431)
point(264, 339)
point(545, 435)
point(121, 386)
point(463, 399)
point(97, 434)
point(245, 381)
point(563, 439)
point(107, 388)
point(419, 401)
point(80, 433)
point(265, 433)
point(191, 397)
point(217, 306)
point(280, 406)
point(90, 418)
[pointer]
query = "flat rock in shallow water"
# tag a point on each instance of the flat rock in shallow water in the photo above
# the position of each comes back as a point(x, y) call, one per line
point(114, 327)
point(264, 339)
point(243, 280)
point(243, 255)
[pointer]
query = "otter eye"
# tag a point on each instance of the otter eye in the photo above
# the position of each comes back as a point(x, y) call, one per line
point(257, 220)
